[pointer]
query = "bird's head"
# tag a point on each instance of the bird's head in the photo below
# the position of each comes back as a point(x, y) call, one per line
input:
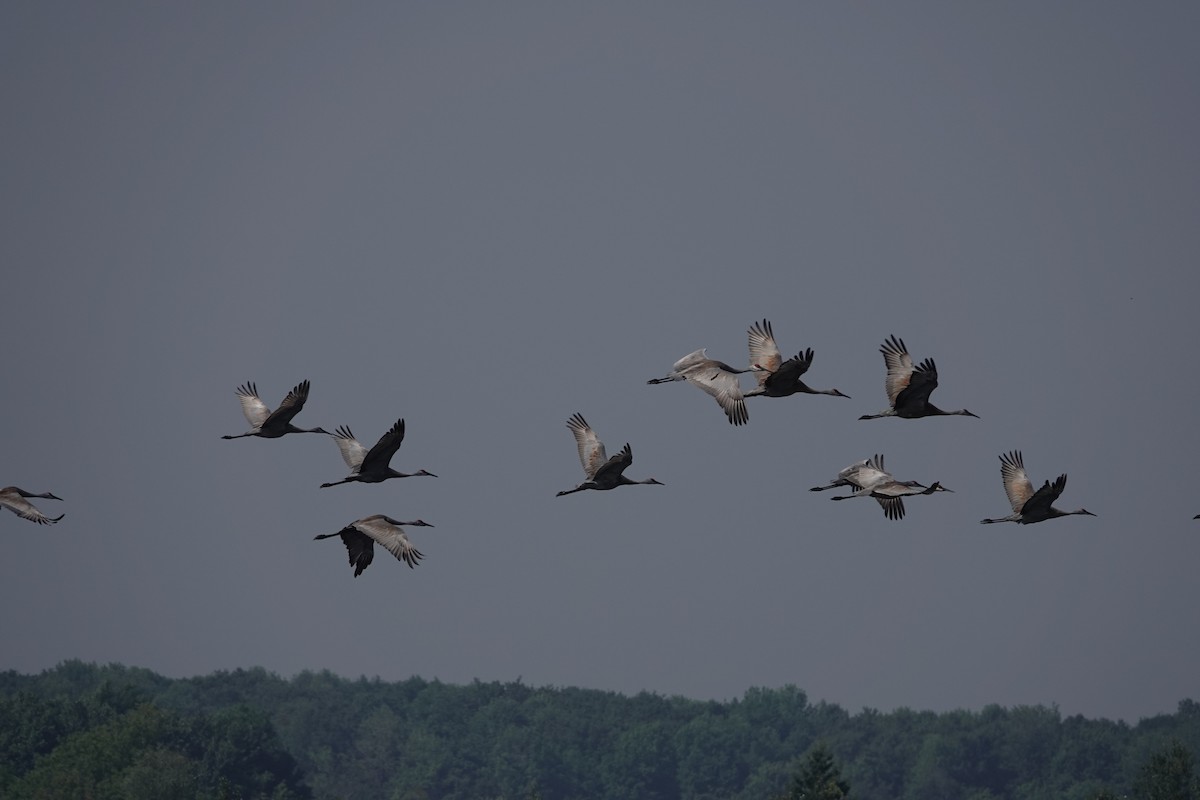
point(425, 472)
point(937, 487)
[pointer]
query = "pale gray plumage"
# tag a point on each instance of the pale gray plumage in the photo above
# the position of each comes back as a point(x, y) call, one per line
point(715, 378)
point(13, 498)
point(361, 535)
point(870, 479)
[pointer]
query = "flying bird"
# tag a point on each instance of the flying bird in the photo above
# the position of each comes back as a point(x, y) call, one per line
point(858, 474)
point(13, 498)
point(908, 386)
point(868, 478)
point(776, 377)
point(601, 471)
point(371, 466)
point(361, 535)
point(272, 424)
point(714, 377)
point(1029, 506)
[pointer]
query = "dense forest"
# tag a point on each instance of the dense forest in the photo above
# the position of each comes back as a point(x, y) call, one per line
point(86, 731)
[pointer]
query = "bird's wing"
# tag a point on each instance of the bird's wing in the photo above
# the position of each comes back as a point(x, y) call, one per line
point(253, 407)
point(763, 350)
point(393, 538)
point(591, 449)
point(1016, 480)
point(359, 547)
point(381, 454)
point(290, 406)
point(26, 510)
point(352, 449)
point(1044, 497)
point(921, 384)
point(893, 507)
point(867, 474)
point(899, 367)
point(612, 469)
point(690, 360)
point(723, 386)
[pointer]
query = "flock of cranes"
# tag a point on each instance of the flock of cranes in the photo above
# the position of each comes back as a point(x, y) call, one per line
point(366, 466)
point(908, 386)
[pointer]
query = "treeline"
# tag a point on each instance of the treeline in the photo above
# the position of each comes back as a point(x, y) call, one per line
point(87, 731)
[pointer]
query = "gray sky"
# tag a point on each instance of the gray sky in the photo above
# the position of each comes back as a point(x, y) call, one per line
point(484, 218)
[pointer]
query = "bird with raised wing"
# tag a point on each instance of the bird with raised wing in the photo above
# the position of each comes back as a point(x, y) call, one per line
point(602, 472)
point(776, 377)
point(371, 466)
point(272, 424)
point(361, 536)
point(869, 471)
point(1029, 506)
point(868, 478)
point(909, 386)
point(13, 498)
point(714, 377)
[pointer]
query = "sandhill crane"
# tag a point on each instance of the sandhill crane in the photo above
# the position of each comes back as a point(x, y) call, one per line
point(602, 472)
point(908, 387)
point(714, 377)
point(858, 474)
point(371, 466)
point(776, 377)
point(13, 498)
point(868, 478)
point(1029, 506)
point(272, 424)
point(361, 535)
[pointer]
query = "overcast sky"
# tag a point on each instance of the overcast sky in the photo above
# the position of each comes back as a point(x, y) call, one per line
point(485, 217)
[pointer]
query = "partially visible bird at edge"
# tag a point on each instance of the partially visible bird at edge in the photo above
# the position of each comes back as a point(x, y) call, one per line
point(776, 377)
point(714, 377)
point(13, 498)
point(272, 424)
point(602, 472)
point(371, 466)
point(361, 535)
point(908, 386)
point(1029, 506)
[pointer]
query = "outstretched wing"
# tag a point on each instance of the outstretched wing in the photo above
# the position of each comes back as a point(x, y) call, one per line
point(591, 449)
point(26, 510)
point(1044, 497)
point(763, 350)
point(610, 471)
point(723, 386)
point(921, 383)
point(290, 407)
point(1016, 480)
point(393, 539)
point(381, 454)
point(359, 547)
point(893, 507)
point(899, 367)
point(254, 409)
point(352, 449)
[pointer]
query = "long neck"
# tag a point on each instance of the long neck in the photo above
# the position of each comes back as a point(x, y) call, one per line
point(935, 411)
